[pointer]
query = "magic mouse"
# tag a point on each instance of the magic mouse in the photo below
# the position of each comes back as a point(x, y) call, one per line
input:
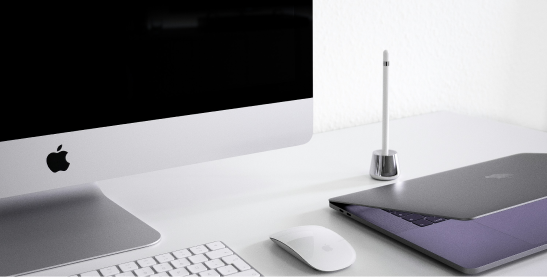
point(317, 246)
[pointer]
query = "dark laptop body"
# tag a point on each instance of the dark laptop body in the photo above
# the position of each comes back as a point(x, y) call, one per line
point(471, 246)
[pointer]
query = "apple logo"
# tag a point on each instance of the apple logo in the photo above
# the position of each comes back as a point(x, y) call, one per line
point(57, 161)
point(327, 248)
point(499, 176)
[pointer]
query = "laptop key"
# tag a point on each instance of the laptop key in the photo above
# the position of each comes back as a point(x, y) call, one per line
point(435, 219)
point(422, 222)
point(412, 217)
point(400, 214)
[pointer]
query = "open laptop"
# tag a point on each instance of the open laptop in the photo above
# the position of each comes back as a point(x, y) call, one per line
point(472, 218)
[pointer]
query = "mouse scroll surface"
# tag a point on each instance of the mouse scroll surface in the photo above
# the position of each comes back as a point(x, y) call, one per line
point(317, 246)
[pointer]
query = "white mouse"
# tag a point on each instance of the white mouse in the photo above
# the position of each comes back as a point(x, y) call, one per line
point(317, 246)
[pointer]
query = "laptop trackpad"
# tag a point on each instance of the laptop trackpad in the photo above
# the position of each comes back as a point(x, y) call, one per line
point(526, 222)
point(466, 243)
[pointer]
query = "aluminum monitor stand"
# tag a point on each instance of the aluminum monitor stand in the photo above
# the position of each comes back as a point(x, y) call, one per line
point(57, 227)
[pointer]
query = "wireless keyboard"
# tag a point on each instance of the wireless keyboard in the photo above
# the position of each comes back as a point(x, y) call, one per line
point(210, 259)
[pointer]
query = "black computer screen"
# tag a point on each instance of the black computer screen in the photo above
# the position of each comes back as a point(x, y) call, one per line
point(70, 67)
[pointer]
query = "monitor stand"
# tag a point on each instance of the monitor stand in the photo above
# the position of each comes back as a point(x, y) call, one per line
point(67, 225)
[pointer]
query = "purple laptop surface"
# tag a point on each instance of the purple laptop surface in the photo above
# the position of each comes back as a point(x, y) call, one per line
point(469, 246)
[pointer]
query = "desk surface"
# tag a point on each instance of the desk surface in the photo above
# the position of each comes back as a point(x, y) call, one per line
point(243, 200)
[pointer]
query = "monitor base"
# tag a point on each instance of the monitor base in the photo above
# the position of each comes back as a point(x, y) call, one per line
point(62, 226)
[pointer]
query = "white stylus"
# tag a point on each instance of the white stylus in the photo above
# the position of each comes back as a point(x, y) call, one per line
point(385, 117)
point(384, 162)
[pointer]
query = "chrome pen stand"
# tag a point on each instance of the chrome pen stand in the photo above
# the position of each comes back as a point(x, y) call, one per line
point(384, 167)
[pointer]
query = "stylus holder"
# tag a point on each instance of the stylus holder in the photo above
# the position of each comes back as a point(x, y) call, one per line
point(384, 167)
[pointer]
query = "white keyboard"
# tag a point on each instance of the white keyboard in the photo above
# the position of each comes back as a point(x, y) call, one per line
point(210, 259)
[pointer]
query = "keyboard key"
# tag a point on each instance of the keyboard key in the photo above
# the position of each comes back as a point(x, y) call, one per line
point(241, 265)
point(91, 273)
point(250, 272)
point(195, 268)
point(434, 219)
point(210, 273)
point(145, 271)
point(214, 263)
point(162, 267)
point(412, 217)
point(198, 249)
point(230, 259)
point(400, 214)
point(146, 262)
point(219, 253)
point(181, 253)
point(163, 274)
point(180, 263)
point(164, 258)
point(198, 258)
point(215, 245)
point(109, 271)
point(227, 270)
point(128, 266)
point(125, 274)
point(179, 272)
point(422, 222)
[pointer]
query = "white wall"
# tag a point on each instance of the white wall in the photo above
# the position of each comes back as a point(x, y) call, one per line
point(476, 57)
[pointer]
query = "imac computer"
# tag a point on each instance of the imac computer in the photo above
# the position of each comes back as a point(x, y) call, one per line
point(94, 91)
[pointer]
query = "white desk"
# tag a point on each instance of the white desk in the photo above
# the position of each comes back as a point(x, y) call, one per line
point(243, 200)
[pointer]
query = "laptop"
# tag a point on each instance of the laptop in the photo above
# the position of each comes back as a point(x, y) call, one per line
point(472, 218)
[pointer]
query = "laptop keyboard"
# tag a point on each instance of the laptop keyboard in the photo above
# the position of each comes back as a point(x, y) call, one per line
point(417, 219)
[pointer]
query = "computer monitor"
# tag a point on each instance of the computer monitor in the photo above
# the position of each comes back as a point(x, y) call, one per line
point(96, 91)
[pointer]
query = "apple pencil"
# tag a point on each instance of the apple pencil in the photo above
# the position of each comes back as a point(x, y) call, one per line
point(385, 118)
point(384, 162)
